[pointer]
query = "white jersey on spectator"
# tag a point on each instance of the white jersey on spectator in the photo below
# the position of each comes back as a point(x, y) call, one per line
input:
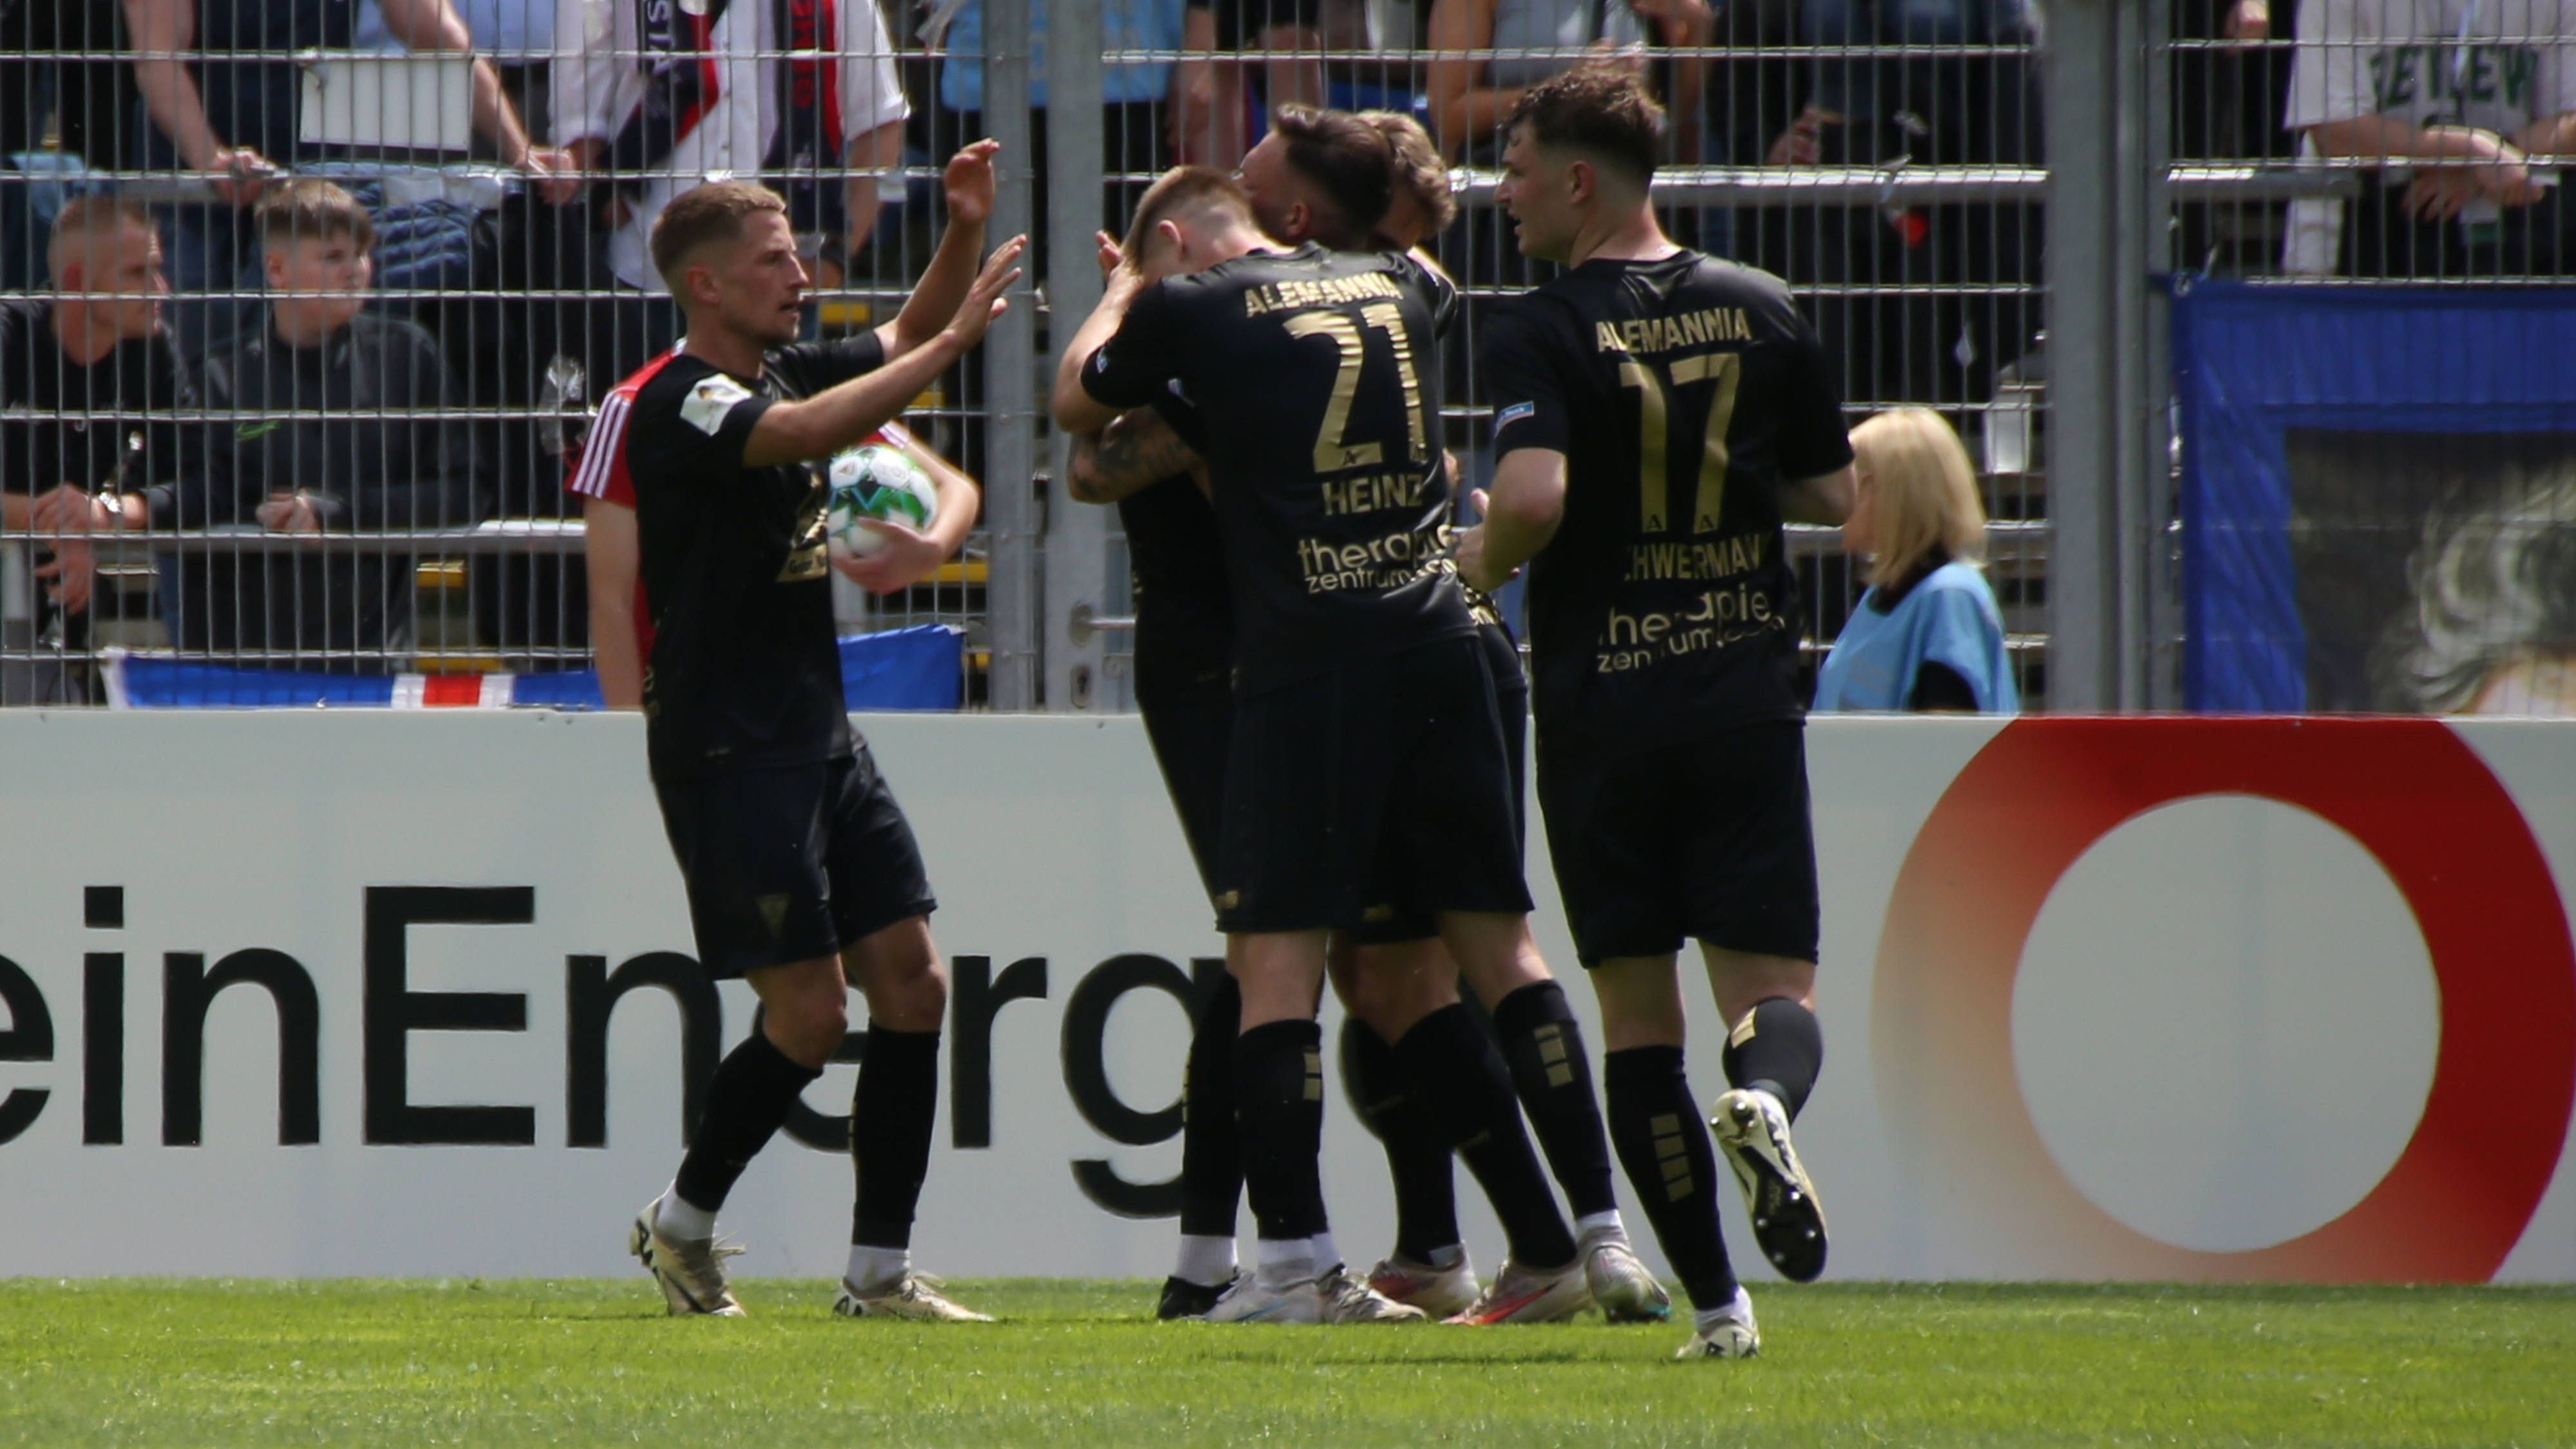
point(599, 81)
point(2498, 65)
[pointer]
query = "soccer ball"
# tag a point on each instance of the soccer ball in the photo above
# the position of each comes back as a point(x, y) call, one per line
point(874, 480)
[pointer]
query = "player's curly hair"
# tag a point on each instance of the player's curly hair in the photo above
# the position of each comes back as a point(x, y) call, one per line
point(2494, 584)
point(701, 215)
point(1350, 161)
point(1420, 178)
point(1600, 110)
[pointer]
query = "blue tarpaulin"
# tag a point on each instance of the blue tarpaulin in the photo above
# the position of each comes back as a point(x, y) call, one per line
point(921, 668)
point(2321, 424)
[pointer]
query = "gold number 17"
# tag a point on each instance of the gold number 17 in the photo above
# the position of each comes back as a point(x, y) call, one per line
point(1654, 407)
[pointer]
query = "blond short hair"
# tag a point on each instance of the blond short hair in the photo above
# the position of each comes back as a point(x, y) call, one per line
point(1927, 492)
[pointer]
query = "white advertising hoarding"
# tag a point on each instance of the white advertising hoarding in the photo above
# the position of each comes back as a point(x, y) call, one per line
point(357, 993)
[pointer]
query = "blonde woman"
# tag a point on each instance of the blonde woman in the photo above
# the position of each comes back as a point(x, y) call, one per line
point(1927, 635)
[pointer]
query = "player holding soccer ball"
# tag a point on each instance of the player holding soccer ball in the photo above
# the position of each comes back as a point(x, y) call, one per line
point(802, 874)
point(1657, 414)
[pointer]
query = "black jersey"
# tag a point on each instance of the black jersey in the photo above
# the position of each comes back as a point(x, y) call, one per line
point(745, 671)
point(1682, 392)
point(1310, 378)
point(1184, 614)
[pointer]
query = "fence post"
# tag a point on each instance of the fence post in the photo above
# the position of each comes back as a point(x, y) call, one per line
point(1077, 534)
point(1010, 376)
point(2098, 248)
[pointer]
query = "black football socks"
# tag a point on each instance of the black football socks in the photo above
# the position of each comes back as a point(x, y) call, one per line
point(1279, 1103)
point(746, 1100)
point(1544, 1047)
point(1211, 1154)
point(1778, 1048)
point(1670, 1162)
point(1417, 1154)
point(892, 1113)
point(1453, 1070)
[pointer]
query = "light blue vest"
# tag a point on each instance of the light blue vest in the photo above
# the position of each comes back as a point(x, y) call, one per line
point(1948, 619)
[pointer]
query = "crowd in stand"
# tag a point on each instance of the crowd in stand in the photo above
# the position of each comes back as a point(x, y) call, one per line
point(402, 346)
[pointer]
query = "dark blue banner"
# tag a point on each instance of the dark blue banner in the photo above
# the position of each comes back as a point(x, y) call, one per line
point(2378, 492)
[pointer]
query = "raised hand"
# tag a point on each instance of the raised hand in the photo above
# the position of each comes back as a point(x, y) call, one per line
point(969, 182)
point(984, 300)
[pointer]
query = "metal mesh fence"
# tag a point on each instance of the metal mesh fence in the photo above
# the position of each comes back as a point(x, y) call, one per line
point(1882, 158)
point(329, 468)
point(2416, 145)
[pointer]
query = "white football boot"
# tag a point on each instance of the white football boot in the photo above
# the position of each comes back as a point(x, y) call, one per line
point(1788, 1222)
point(1622, 1287)
point(690, 1273)
point(1729, 1333)
point(1349, 1298)
point(1530, 1295)
point(1438, 1292)
point(916, 1296)
point(1250, 1300)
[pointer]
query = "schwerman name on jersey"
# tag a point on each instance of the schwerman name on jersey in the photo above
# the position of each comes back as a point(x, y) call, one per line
point(1663, 334)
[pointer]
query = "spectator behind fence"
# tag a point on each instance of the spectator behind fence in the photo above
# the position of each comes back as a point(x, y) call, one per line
point(661, 97)
point(222, 96)
point(1138, 95)
point(1213, 97)
point(88, 384)
point(1931, 82)
point(327, 417)
point(2454, 101)
point(65, 88)
point(1470, 96)
point(1927, 634)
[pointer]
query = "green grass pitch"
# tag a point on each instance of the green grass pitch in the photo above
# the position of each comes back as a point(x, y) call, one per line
point(509, 1362)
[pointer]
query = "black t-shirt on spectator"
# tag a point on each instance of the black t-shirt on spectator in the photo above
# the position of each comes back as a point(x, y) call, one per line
point(1310, 379)
point(1683, 393)
point(746, 671)
point(111, 420)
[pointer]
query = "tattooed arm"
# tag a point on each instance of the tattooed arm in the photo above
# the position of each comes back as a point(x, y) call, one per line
point(1130, 455)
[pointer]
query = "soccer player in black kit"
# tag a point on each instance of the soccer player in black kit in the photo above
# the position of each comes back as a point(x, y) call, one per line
point(802, 874)
point(1367, 778)
point(1421, 1073)
point(1657, 415)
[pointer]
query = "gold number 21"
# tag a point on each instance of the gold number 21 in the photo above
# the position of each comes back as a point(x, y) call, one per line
point(1332, 453)
point(1654, 407)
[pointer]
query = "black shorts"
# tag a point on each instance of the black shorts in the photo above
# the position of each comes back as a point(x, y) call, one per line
point(1377, 791)
point(792, 864)
point(1242, 22)
point(1188, 721)
point(1511, 706)
point(1707, 840)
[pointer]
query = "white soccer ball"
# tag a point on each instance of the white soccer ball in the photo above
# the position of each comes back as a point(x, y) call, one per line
point(874, 480)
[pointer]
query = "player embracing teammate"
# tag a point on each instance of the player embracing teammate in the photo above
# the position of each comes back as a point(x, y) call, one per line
point(1658, 414)
point(1368, 780)
point(1423, 1074)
